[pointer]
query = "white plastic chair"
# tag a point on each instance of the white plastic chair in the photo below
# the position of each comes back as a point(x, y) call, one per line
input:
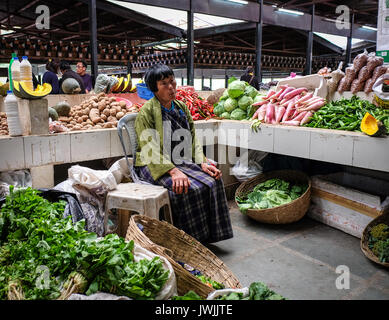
point(140, 197)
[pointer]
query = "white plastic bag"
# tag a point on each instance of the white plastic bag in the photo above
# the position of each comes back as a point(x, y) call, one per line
point(248, 166)
point(92, 179)
point(120, 169)
point(18, 178)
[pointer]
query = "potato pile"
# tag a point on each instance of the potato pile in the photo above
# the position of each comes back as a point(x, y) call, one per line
point(97, 112)
point(3, 124)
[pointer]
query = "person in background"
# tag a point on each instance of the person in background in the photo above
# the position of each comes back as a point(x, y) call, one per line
point(249, 77)
point(196, 190)
point(51, 77)
point(81, 71)
point(67, 72)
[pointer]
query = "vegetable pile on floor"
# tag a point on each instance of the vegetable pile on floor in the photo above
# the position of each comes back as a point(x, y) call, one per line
point(199, 108)
point(288, 106)
point(46, 256)
point(379, 241)
point(237, 100)
point(347, 114)
point(269, 194)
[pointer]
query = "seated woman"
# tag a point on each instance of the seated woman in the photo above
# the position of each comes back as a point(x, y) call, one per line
point(196, 191)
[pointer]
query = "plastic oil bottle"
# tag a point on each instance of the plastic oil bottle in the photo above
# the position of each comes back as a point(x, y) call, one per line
point(12, 111)
point(15, 69)
point(26, 73)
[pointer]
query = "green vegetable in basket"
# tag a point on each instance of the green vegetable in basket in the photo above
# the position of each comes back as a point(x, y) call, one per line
point(190, 295)
point(269, 194)
point(380, 231)
point(379, 241)
point(212, 283)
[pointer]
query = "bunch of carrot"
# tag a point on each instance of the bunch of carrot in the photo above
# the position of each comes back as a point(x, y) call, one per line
point(288, 106)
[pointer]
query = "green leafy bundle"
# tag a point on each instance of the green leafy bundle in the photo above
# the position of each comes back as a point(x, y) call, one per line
point(347, 114)
point(42, 253)
point(379, 241)
point(257, 291)
point(269, 194)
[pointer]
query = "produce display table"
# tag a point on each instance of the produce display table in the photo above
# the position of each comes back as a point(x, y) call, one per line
point(341, 147)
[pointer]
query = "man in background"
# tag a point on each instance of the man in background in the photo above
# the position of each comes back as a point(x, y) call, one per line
point(81, 71)
point(249, 77)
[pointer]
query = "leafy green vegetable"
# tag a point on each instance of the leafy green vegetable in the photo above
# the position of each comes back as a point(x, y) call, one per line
point(190, 295)
point(47, 253)
point(250, 91)
point(257, 291)
point(269, 194)
point(379, 241)
point(236, 89)
point(214, 284)
point(244, 102)
point(238, 114)
point(230, 104)
point(219, 108)
point(225, 115)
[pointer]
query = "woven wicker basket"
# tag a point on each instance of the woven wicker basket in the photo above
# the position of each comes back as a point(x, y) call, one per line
point(383, 218)
point(166, 240)
point(287, 213)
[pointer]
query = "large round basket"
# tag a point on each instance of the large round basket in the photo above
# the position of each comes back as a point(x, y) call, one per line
point(383, 218)
point(166, 240)
point(287, 213)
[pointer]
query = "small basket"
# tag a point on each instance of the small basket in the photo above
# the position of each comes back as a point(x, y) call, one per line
point(144, 92)
point(383, 218)
point(287, 213)
point(164, 239)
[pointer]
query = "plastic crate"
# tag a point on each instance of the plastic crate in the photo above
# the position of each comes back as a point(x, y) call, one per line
point(144, 92)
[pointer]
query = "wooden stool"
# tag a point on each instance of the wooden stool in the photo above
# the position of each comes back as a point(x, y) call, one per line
point(140, 198)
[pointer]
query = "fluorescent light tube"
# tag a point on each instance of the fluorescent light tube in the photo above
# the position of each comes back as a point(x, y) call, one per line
point(369, 28)
point(239, 1)
point(298, 13)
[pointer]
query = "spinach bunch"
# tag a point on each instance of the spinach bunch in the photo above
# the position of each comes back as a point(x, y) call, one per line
point(40, 250)
point(269, 194)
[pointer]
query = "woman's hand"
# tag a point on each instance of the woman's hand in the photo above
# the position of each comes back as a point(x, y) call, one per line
point(211, 170)
point(180, 181)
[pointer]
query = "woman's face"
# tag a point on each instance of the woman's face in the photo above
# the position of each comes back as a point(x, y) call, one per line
point(166, 89)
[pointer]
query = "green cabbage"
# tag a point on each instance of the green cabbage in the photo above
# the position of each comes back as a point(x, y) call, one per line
point(230, 104)
point(225, 115)
point(258, 98)
point(238, 114)
point(224, 95)
point(244, 102)
point(219, 108)
point(250, 91)
point(236, 89)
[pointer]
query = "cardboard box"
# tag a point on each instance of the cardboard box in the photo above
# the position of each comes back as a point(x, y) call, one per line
point(348, 202)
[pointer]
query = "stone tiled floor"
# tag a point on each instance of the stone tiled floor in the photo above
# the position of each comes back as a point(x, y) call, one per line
point(299, 260)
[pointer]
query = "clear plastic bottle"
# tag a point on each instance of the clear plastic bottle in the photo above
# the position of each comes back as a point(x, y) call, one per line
point(12, 111)
point(15, 69)
point(26, 73)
